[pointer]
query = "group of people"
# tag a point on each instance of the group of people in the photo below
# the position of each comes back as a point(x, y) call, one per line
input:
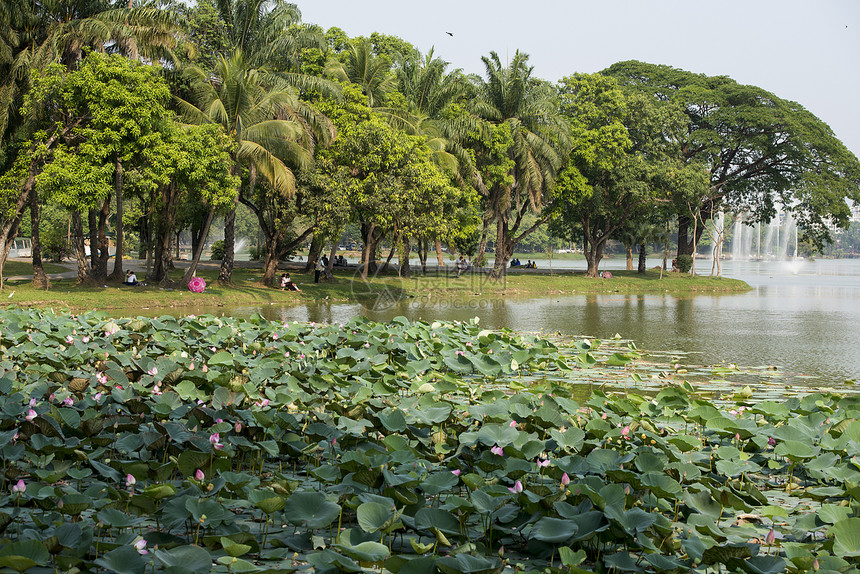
point(530, 265)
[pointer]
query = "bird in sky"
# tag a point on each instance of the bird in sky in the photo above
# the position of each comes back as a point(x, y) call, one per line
point(452, 35)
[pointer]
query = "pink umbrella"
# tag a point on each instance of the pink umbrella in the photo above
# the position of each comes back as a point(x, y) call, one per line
point(197, 285)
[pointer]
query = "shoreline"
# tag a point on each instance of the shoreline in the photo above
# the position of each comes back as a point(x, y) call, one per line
point(246, 289)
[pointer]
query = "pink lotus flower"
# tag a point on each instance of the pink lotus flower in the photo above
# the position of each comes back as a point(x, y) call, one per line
point(69, 339)
point(19, 487)
point(262, 403)
point(153, 371)
point(130, 481)
point(199, 475)
point(456, 472)
point(625, 431)
point(771, 441)
point(98, 397)
point(68, 401)
point(191, 367)
point(238, 427)
point(101, 378)
point(516, 488)
point(33, 402)
point(140, 546)
point(205, 369)
point(215, 440)
point(565, 479)
point(31, 414)
point(513, 423)
point(770, 538)
point(542, 463)
point(497, 450)
point(275, 336)
point(197, 285)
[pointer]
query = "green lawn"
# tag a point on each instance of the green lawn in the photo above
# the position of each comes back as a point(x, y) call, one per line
point(246, 289)
point(13, 268)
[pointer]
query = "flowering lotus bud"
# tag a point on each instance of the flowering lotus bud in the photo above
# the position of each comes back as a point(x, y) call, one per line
point(199, 475)
point(565, 479)
point(19, 487)
point(516, 488)
point(31, 414)
point(140, 546)
point(815, 565)
point(497, 450)
point(771, 536)
point(130, 480)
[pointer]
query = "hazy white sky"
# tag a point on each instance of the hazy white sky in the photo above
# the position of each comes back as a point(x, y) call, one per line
point(801, 50)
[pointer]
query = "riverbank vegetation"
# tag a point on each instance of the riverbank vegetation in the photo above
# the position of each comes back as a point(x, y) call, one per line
point(100, 153)
point(246, 289)
point(205, 444)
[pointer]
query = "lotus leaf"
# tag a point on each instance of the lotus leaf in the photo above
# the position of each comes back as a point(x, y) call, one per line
point(190, 558)
point(311, 510)
point(554, 530)
point(846, 537)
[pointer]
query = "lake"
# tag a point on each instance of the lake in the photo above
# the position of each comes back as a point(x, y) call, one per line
point(802, 317)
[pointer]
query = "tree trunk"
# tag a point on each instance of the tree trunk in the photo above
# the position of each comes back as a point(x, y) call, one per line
point(593, 255)
point(643, 253)
point(403, 269)
point(629, 250)
point(195, 260)
point(314, 252)
point(225, 274)
point(423, 248)
point(270, 264)
point(391, 252)
point(40, 278)
point(369, 250)
point(329, 268)
point(80, 250)
point(482, 245)
point(504, 249)
point(117, 274)
point(164, 233)
point(440, 258)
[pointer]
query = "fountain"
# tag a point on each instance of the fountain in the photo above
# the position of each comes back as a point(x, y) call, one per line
point(779, 242)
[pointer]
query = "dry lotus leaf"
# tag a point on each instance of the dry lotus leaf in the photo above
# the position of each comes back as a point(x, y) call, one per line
point(78, 384)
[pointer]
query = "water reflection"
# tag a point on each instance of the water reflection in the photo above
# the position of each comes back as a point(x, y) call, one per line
point(805, 319)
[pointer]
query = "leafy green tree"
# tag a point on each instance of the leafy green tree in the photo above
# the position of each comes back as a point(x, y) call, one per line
point(619, 165)
point(538, 134)
point(760, 152)
point(270, 125)
point(185, 161)
point(92, 119)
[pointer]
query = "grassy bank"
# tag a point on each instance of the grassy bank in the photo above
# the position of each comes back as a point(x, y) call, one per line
point(246, 289)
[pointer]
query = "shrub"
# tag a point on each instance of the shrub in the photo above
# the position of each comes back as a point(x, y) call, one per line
point(685, 263)
point(217, 251)
point(55, 244)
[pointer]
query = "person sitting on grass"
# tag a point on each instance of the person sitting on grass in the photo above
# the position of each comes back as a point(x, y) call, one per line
point(287, 283)
point(131, 278)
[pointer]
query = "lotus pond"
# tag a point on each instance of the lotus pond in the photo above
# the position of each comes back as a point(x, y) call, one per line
point(204, 444)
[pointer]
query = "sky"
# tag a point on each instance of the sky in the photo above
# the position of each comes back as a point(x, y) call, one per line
point(800, 50)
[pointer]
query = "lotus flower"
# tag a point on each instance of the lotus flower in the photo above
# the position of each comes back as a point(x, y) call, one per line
point(140, 546)
point(130, 480)
point(456, 472)
point(199, 475)
point(497, 450)
point(565, 479)
point(197, 285)
point(31, 414)
point(19, 487)
point(516, 488)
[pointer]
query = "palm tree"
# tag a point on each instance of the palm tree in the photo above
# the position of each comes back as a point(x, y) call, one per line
point(539, 137)
point(372, 73)
point(272, 128)
point(269, 35)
